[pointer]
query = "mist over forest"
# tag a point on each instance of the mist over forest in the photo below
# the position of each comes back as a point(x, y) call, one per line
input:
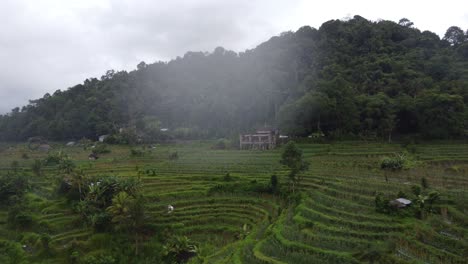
point(348, 79)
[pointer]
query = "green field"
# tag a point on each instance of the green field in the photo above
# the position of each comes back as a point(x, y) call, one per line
point(335, 221)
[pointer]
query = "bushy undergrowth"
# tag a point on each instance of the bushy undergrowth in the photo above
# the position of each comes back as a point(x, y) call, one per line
point(101, 149)
point(333, 207)
point(398, 161)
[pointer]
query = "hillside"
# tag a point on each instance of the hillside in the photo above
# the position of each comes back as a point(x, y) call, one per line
point(226, 204)
point(347, 79)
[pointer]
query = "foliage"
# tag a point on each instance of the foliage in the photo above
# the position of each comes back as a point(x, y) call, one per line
point(374, 252)
point(382, 204)
point(274, 183)
point(292, 158)
point(179, 249)
point(397, 162)
point(425, 202)
point(173, 155)
point(97, 195)
point(137, 153)
point(66, 165)
point(244, 219)
point(424, 183)
point(348, 78)
point(11, 252)
point(101, 149)
point(99, 259)
point(221, 144)
point(240, 187)
point(12, 186)
point(36, 167)
point(227, 177)
point(53, 159)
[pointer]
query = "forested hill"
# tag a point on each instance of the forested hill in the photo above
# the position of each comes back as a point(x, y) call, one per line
point(354, 78)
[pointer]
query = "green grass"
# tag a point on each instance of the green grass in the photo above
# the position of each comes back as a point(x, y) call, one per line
point(330, 225)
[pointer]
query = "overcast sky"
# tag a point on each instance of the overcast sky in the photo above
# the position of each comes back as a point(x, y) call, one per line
point(47, 45)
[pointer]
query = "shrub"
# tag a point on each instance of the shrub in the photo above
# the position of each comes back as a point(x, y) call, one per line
point(136, 153)
point(274, 183)
point(11, 252)
point(179, 249)
point(240, 187)
point(99, 259)
point(36, 167)
point(123, 138)
point(424, 183)
point(221, 144)
point(45, 226)
point(14, 166)
point(173, 155)
point(101, 149)
point(30, 239)
point(416, 190)
point(227, 177)
point(401, 194)
point(411, 148)
point(382, 204)
point(397, 162)
point(52, 159)
point(19, 219)
point(12, 185)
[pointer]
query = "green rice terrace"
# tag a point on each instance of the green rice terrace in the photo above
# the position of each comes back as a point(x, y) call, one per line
point(238, 206)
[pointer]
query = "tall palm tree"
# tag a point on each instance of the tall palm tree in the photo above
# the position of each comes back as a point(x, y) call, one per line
point(128, 215)
point(121, 210)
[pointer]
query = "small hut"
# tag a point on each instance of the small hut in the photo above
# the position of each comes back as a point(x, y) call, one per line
point(400, 203)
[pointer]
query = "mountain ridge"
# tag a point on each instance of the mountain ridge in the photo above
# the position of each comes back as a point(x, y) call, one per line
point(354, 78)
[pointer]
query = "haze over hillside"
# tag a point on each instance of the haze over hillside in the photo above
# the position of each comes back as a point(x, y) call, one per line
point(343, 142)
point(58, 44)
point(350, 78)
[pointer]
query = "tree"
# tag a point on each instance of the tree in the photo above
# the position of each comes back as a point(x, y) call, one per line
point(377, 114)
point(405, 22)
point(66, 165)
point(454, 35)
point(12, 186)
point(308, 81)
point(274, 183)
point(14, 166)
point(152, 127)
point(11, 252)
point(142, 65)
point(45, 240)
point(36, 167)
point(441, 115)
point(78, 179)
point(121, 210)
point(293, 159)
point(179, 249)
point(128, 215)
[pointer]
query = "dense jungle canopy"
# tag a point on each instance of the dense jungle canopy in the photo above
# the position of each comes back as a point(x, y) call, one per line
point(353, 78)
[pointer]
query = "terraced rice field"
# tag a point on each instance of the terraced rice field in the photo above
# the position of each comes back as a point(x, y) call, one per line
point(334, 222)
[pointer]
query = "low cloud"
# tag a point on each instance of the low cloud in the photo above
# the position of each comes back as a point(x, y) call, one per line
point(54, 44)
